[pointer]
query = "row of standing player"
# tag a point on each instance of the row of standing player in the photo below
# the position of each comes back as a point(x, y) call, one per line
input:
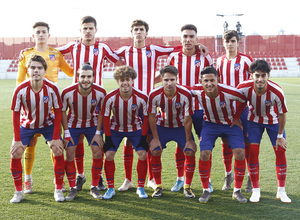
point(188, 56)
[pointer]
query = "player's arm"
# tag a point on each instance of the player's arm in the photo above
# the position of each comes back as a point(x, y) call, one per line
point(67, 135)
point(98, 137)
point(56, 144)
point(281, 142)
point(155, 141)
point(188, 133)
point(65, 67)
point(17, 147)
point(22, 70)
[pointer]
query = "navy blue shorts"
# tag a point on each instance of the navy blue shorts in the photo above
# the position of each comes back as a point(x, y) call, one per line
point(134, 137)
point(27, 134)
point(197, 118)
point(256, 130)
point(89, 133)
point(166, 135)
point(211, 131)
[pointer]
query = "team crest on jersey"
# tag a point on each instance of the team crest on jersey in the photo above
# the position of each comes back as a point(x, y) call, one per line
point(237, 66)
point(148, 53)
point(197, 63)
point(222, 104)
point(52, 57)
point(96, 51)
point(94, 102)
point(134, 107)
point(268, 103)
point(177, 105)
point(45, 99)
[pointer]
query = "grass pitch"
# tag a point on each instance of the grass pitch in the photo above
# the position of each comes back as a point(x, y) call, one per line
point(127, 205)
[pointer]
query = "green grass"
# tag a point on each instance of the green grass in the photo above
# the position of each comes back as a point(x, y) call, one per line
point(127, 205)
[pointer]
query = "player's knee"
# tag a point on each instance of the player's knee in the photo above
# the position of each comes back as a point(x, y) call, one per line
point(109, 155)
point(18, 153)
point(239, 153)
point(156, 153)
point(189, 153)
point(205, 155)
point(142, 154)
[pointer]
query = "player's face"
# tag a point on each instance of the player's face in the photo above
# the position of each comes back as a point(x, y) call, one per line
point(169, 82)
point(188, 39)
point(88, 31)
point(36, 71)
point(85, 79)
point(231, 45)
point(260, 80)
point(125, 84)
point(139, 33)
point(210, 84)
point(40, 34)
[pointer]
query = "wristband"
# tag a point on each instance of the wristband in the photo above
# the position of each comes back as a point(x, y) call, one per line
point(98, 132)
point(67, 133)
point(279, 135)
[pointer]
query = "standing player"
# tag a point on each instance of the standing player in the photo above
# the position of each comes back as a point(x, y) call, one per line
point(267, 110)
point(125, 103)
point(42, 95)
point(83, 99)
point(54, 60)
point(189, 62)
point(94, 52)
point(173, 122)
point(216, 100)
point(233, 68)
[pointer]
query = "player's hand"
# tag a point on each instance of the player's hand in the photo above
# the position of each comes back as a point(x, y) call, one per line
point(154, 144)
point(237, 122)
point(281, 142)
point(67, 138)
point(21, 56)
point(98, 139)
point(144, 143)
point(190, 145)
point(57, 146)
point(17, 147)
point(108, 143)
point(203, 49)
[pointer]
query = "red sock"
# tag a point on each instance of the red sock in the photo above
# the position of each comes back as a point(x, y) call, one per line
point(59, 171)
point(239, 171)
point(254, 164)
point(280, 166)
point(247, 148)
point(128, 160)
point(149, 155)
point(16, 172)
point(189, 168)
point(156, 167)
point(109, 167)
point(141, 172)
point(204, 171)
point(179, 161)
point(96, 171)
point(227, 157)
point(71, 173)
point(79, 155)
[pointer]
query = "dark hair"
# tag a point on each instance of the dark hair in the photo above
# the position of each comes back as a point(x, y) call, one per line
point(88, 19)
point(140, 23)
point(168, 69)
point(123, 72)
point(209, 70)
point(230, 34)
point(189, 27)
point(37, 58)
point(85, 66)
point(260, 65)
point(40, 23)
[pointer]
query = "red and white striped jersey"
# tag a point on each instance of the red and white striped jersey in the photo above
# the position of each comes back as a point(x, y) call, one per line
point(171, 112)
point(189, 69)
point(143, 61)
point(36, 107)
point(233, 72)
point(125, 113)
point(219, 110)
point(83, 110)
point(264, 109)
point(93, 54)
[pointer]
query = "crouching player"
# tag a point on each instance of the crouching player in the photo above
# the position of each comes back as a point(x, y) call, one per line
point(125, 103)
point(173, 122)
point(217, 102)
point(84, 99)
point(36, 97)
point(267, 111)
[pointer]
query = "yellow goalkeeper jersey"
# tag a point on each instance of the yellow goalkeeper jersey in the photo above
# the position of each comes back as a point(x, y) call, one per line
point(54, 58)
